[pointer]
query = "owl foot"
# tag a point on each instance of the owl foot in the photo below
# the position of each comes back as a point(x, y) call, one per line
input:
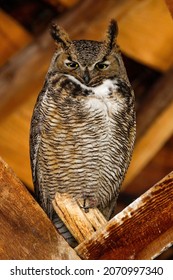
point(84, 206)
point(86, 203)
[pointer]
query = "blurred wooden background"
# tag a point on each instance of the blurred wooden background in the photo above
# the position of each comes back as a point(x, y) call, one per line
point(146, 40)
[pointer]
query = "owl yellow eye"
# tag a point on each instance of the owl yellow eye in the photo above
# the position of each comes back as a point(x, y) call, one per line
point(102, 65)
point(72, 64)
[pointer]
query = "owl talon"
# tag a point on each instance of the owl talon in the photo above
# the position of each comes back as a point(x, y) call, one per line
point(84, 207)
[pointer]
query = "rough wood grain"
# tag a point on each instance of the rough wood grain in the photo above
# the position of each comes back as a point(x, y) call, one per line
point(141, 231)
point(80, 223)
point(13, 37)
point(25, 230)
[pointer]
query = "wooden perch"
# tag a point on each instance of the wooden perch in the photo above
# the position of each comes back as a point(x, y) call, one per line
point(80, 223)
point(141, 231)
point(25, 231)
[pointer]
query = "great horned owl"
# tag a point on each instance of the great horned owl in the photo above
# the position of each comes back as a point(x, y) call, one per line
point(83, 125)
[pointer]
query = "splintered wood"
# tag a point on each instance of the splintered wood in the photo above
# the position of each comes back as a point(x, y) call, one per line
point(82, 224)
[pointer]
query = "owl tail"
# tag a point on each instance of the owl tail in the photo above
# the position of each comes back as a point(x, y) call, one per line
point(62, 229)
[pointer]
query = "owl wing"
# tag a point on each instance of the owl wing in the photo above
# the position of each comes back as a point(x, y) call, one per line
point(35, 140)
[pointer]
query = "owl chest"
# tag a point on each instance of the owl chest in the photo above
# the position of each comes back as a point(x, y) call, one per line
point(89, 120)
point(79, 145)
point(82, 132)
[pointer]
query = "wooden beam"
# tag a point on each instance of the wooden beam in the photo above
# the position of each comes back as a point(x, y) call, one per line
point(62, 3)
point(154, 125)
point(150, 143)
point(141, 231)
point(157, 99)
point(26, 232)
point(148, 21)
point(170, 5)
point(13, 37)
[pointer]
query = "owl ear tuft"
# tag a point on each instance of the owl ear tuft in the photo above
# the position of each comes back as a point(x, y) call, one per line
point(60, 36)
point(112, 33)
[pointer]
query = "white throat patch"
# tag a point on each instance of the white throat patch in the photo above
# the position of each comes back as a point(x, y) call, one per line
point(101, 91)
point(100, 99)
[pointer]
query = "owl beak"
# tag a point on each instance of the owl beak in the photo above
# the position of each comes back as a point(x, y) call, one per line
point(86, 76)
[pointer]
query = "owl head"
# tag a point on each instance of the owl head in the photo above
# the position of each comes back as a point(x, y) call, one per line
point(88, 61)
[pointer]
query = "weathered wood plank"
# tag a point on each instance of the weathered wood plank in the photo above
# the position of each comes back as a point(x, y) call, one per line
point(25, 231)
point(80, 223)
point(141, 231)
